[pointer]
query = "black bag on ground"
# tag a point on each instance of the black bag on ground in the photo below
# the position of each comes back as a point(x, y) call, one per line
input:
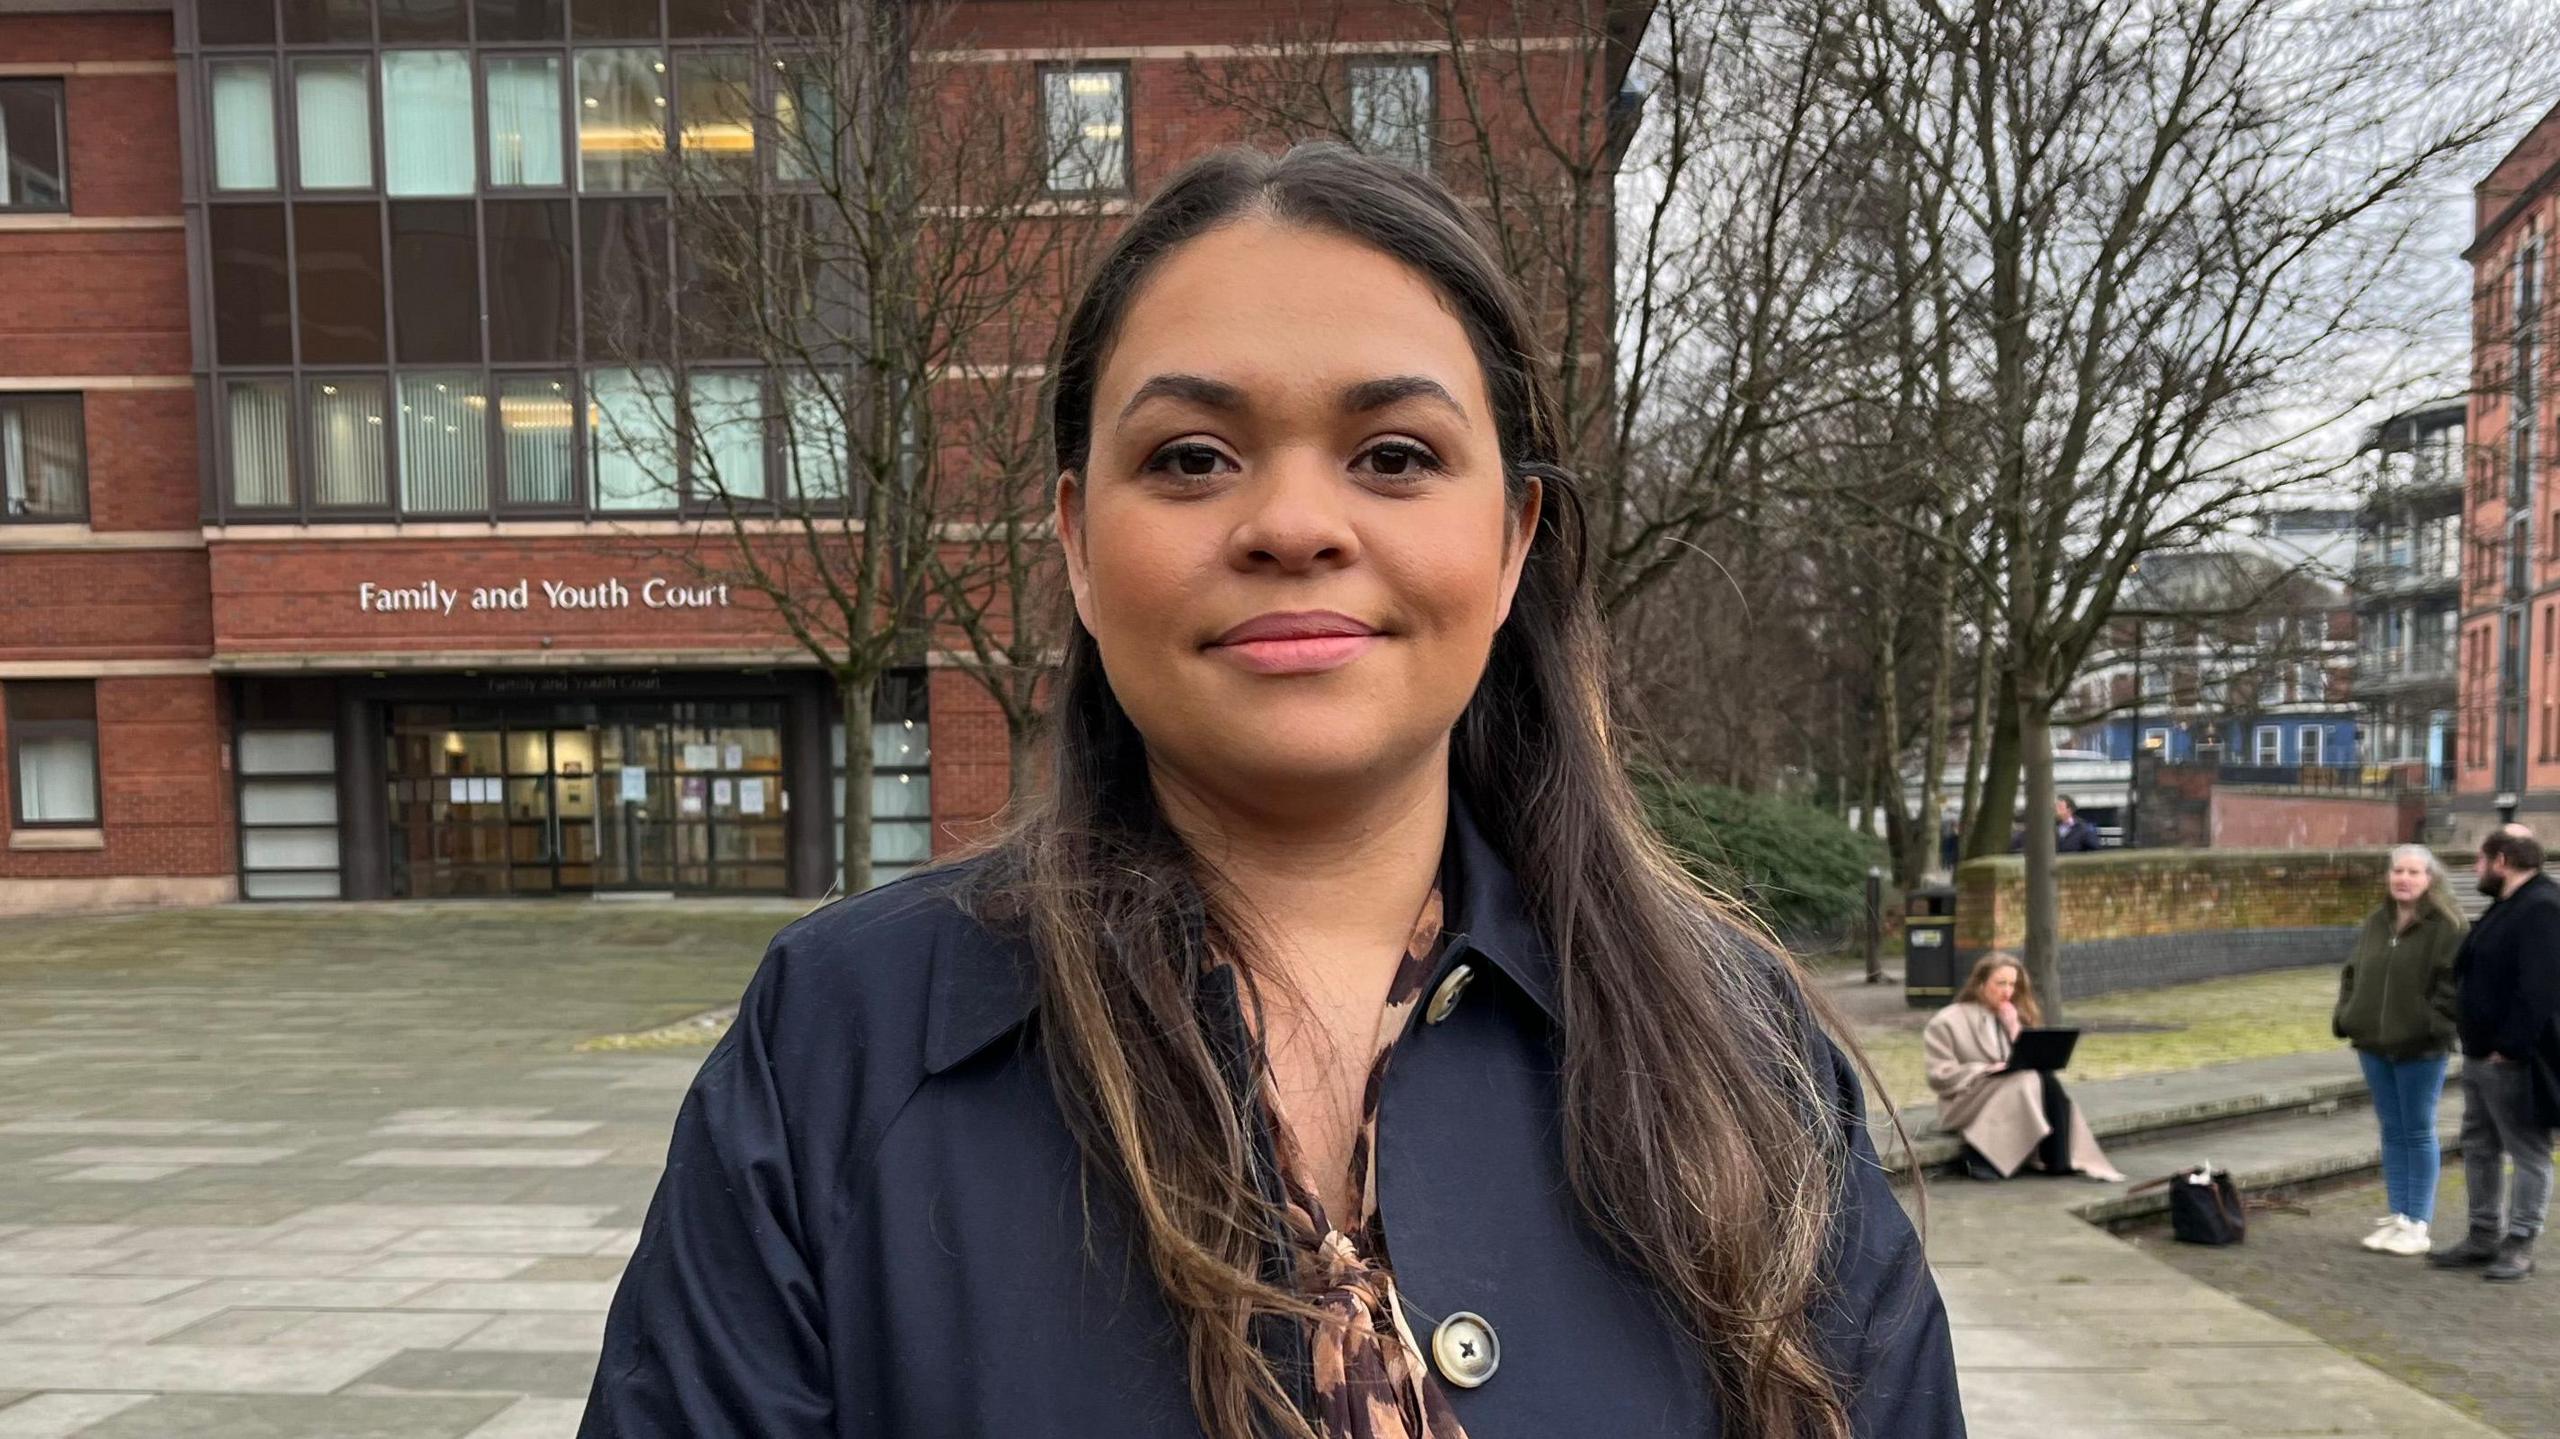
point(2205, 1207)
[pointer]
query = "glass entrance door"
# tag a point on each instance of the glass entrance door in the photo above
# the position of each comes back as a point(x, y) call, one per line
point(571, 797)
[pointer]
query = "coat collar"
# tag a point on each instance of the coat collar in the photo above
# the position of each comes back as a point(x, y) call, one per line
point(985, 985)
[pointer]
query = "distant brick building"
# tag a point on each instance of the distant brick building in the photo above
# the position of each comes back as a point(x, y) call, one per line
point(2508, 739)
point(314, 579)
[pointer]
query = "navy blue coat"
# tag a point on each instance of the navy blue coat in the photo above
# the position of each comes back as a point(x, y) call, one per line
point(871, 1221)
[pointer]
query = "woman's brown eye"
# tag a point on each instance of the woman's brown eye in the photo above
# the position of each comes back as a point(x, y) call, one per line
point(1196, 462)
point(1399, 461)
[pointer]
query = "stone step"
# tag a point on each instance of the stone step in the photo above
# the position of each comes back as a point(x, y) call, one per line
point(2268, 1153)
point(2122, 1112)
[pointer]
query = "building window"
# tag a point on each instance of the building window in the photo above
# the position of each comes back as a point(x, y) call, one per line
point(1085, 115)
point(44, 470)
point(2156, 741)
point(244, 125)
point(347, 442)
point(444, 443)
point(435, 282)
point(716, 117)
point(332, 124)
point(338, 278)
point(622, 118)
point(2270, 745)
point(626, 441)
point(537, 443)
point(533, 287)
point(804, 120)
point(524, 121)
point(1392, 108)
point(726, 437)
point(53, 752)
point(34, 172)
point(426, 122)
point(815, 446)
point(2314, 746)
point(259, 417)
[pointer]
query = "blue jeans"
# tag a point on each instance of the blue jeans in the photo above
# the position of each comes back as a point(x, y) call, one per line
point(2405, 1092)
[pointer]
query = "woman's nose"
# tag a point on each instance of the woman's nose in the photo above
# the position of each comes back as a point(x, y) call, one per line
point(1298, 515)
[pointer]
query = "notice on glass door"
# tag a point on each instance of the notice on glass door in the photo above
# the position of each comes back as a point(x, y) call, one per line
point(721, 795)
point(635, 784)
point(751, 796)
point(733, 757)
point(701, 756)
point(689, 799)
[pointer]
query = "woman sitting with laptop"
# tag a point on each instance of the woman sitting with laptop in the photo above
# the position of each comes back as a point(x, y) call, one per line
point(2007, 1114)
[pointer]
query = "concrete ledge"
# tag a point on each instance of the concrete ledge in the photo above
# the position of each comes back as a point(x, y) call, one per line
point(1931, 1145)
point(44, 839)
point(28, 897)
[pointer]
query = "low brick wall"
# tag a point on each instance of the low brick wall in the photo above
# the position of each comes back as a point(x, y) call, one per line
point(2135, 919)
point(2246, 818)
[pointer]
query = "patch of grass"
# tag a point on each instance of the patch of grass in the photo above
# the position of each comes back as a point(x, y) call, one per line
point(699, 1031)
point(2258, 1016)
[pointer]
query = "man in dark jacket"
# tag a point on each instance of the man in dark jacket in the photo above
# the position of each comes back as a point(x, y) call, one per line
point(2509, 974)
point(2071, 833)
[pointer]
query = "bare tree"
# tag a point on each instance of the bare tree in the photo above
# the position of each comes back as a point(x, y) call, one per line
point(870, 235)
point(2183, 236)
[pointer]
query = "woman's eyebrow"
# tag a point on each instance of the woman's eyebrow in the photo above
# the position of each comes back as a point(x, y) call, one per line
point(1378, 394)
point(1198, 389)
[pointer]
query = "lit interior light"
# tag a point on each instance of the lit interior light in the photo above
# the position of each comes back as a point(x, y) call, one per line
point(328, 389)
point(1092, 84)
point(591, 103)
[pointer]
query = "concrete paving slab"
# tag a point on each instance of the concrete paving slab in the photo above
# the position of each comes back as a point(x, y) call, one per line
point(265, 1416)
point(58, 1416)
point(533, 1419)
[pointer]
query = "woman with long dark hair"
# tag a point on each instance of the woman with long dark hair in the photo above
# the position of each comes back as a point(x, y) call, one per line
point(1331, 1049)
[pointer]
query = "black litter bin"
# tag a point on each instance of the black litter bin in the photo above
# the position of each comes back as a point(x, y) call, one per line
point(1929, 975)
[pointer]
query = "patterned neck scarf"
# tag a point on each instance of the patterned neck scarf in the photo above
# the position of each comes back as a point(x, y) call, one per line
point(1372, 1380)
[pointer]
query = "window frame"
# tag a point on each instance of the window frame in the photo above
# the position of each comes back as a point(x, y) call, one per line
point(1128, 127)
point(61, 141)
point(21, 731)
point(1429, 65)
point(80, 409)
point(2258, 747)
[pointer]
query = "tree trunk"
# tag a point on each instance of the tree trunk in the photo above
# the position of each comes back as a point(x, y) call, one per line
point(1996, 803)
point(1923, 853)
point(1022, 755)
point(854, 696)
point(2035, 736)
point(1978, 736)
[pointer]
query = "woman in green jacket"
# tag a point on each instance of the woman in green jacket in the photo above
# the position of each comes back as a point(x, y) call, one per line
point(2396, 1006)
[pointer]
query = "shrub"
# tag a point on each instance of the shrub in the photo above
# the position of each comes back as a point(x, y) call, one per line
point(1802, 870)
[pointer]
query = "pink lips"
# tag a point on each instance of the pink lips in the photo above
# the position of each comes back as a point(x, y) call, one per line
point(1297, 643)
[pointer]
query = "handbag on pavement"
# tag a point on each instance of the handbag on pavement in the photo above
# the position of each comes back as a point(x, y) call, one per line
point(2205, 1205)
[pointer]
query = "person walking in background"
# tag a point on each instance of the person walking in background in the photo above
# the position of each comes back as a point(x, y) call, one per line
point(2509, 973)
point(2071, 833)
point(2396, 1006)
point(2006, 1116)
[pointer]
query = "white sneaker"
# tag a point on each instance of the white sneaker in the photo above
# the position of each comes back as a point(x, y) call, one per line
point(2409, 1240)
point(2385, 1230)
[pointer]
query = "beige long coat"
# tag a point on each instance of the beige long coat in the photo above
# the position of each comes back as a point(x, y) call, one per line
point(2001, 1115)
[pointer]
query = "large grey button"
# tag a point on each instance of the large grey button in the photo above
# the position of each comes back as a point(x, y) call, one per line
point(1445, 998)
point(1466, 1350)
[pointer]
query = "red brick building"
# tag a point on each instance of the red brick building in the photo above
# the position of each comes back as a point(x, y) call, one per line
point(2509, 707)
point(315, 580)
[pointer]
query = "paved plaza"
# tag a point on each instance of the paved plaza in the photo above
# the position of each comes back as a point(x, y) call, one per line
point(343, 1173)
point(332, 1173)
point(2487, 1349)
